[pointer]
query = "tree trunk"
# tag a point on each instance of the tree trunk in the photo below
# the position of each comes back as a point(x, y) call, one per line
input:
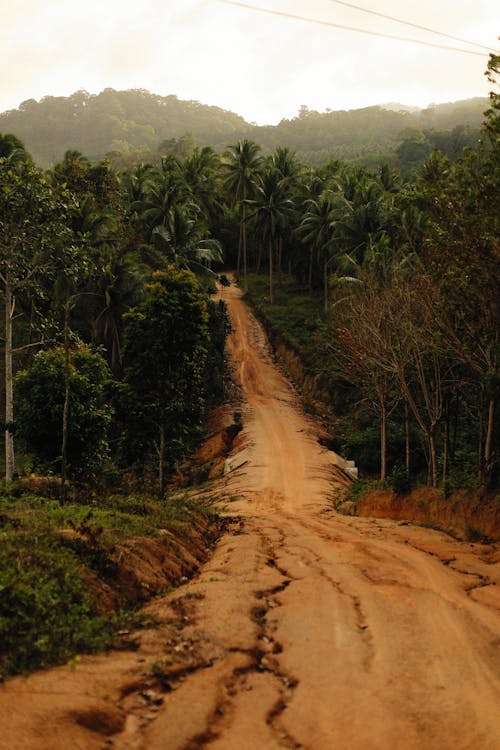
point(325, 285)
point(488, 445)
point(407, 439)
point(480, 450)
point(245, 281)
point(161, 456)
point(65, 422)
point(9, 391)
point(270, 272)
point(383, 439)
point(280, 258)
point(446, 445)
point(310, 274)
point(433, 457)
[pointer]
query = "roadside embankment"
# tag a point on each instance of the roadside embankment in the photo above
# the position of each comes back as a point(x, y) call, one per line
point(464, 514)
point(72, 575)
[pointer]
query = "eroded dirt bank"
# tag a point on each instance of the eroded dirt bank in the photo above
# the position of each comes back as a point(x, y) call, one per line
point(467, 515)
point(306, 629)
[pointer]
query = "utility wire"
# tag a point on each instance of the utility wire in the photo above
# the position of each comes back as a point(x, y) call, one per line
point(409, 23)
point(320, 22)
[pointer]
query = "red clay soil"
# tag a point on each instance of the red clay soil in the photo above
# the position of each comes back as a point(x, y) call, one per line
point(145, 566)
point(468, 515)
point(306, 629)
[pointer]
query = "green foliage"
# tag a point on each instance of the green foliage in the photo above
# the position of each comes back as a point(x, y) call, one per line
point(407, 272)
point(294, 314)
point(360, 487)
point(40, 400)
point(131, 124)
point(46, 613)
point(167, 341)
point(12, 147)
point(362, 444)
point(400, 480)
point(219, 325)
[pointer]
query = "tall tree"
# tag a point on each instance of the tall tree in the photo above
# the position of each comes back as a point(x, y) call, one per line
point(41, 393)
point(462, 254)
point(270, 208)
point(32, 226)
point(242, 166)
point(166, 348)
point(318, 231)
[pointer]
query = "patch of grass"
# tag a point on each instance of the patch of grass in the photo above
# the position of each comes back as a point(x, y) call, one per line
point(294, 314)
point(46, 612)
point(360, 487)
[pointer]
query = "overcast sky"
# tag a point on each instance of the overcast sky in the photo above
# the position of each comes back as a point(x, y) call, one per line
point(261, 66)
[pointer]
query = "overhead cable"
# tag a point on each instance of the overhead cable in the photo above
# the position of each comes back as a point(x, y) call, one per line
point(332, 24)
point(409, 23)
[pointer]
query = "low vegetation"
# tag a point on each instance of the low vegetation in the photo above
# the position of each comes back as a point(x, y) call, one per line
point(58, 562)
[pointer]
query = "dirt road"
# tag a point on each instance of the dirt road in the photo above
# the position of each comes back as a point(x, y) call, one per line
point(306, 629)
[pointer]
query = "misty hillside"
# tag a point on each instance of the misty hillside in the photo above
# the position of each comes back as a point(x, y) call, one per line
point(132, 124)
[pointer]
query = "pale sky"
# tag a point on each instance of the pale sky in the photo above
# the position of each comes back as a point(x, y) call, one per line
point(261, 66)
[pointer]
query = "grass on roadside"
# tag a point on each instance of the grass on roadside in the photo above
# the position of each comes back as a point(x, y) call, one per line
point(46, 613)
point(294, 314)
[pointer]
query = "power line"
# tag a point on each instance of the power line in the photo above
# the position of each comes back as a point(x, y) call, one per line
point(320, 22)
point(409, 23)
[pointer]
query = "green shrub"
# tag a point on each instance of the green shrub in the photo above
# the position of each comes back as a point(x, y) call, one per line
point(400, 480)
point(40, 402)
point(45, 614)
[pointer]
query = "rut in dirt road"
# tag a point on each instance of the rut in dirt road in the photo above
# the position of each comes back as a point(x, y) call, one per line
point(306, 629)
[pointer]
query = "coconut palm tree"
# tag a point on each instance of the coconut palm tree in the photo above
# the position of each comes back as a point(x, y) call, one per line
point(118, 287)
point(183, 242)
point(270, 209)
point(242, 167)
point(200, 170)
point(317, 230)
point(163, 189)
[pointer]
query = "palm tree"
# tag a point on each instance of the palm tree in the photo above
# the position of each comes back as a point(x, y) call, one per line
point(183, 240)
point(200, 173)
point(133, 181)
point(12, 148)
point(366, 216)
point(317, 229)
point(163, 189)
point(242, 167)
point(270, 208)
point(290, 172)
point(285, 162)
point(119, 287)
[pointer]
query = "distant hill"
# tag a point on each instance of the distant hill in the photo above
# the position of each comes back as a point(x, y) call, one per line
point(397, 107)
point(134, 123)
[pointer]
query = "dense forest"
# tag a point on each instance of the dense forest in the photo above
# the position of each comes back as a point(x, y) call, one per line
point(114, 350)
point(133, 126)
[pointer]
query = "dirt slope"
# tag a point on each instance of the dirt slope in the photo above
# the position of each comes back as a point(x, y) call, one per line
point(306, 629)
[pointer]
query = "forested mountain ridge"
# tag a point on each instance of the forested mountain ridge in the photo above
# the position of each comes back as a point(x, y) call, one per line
point(132, 124)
